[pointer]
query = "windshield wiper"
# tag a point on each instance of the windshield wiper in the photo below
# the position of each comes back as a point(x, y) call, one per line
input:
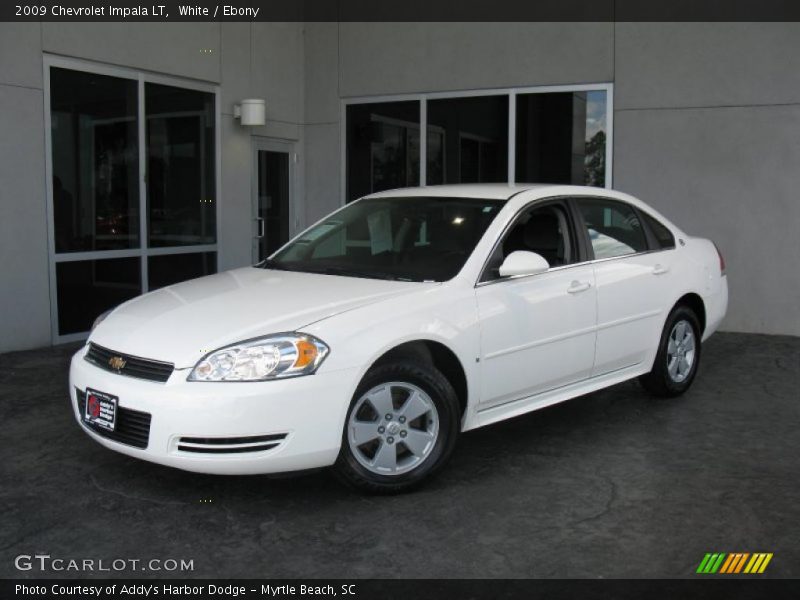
point(272, 264)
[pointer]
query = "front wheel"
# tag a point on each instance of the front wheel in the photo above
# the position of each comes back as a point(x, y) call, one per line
point(678, 355)
point(401, 428)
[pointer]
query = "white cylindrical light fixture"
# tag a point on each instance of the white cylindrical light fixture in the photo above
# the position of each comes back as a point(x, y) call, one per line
point(253, 112)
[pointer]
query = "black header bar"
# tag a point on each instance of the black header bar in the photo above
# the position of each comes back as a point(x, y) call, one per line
point(403, 10)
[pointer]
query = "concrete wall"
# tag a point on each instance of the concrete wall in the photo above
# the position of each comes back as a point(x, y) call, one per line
point(322, 128)
point(24, 284)
point(707, 122)
point(260, 59)
point(707, 118)
point(707, 129)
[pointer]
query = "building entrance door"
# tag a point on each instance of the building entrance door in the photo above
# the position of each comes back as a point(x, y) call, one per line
point(272, 197)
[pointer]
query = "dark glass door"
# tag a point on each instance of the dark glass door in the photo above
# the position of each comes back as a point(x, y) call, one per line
point(272, 201)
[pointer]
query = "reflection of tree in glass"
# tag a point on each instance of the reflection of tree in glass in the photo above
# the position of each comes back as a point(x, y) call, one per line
point(605, 246)
point(594, 169)
point(395, 159)
point(388, 171)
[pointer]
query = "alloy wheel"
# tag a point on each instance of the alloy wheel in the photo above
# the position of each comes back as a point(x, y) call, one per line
point(680, 351)
point(393, 428)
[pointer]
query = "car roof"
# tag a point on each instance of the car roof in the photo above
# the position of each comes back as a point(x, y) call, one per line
point(495, 191)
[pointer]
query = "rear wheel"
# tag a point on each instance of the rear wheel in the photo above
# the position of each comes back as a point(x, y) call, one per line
point(678, 355)
point(401, 428)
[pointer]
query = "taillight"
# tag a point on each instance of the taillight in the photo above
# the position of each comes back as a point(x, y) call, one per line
point(721, 261)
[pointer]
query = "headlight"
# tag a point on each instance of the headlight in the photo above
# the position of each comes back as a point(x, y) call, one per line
point(100, 319)
point(272, 357)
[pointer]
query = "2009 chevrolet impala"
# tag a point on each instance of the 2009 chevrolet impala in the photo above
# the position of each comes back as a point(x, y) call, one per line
point(376, 336)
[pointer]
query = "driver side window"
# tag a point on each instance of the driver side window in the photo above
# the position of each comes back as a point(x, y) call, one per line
point(544, 230)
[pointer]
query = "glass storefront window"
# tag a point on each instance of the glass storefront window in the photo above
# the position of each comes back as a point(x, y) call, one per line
point(468, 140)
point(181, 198)
point(382, 147)
point(88, 288)
point(561, 138)
point(552, 137)
point(167, 269)
point(95, 158)
point(96, 124)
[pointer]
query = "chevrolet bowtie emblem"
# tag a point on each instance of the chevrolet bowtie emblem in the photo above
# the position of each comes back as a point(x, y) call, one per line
point(116, 362)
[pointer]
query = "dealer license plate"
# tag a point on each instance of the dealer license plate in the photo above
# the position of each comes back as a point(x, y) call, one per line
point(100, 409)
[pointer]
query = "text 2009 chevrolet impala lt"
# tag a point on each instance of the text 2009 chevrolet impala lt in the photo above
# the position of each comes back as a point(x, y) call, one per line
point(376, 336)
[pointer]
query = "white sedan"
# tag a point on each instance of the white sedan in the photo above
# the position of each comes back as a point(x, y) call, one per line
point(377, 335)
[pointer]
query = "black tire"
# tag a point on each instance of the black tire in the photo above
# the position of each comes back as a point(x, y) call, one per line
point(424, 376)
point(659, 381)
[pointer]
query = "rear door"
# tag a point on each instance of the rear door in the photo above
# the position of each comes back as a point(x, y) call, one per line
point(633, 282)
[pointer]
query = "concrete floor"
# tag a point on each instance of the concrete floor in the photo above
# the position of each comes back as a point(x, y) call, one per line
point(614, 484)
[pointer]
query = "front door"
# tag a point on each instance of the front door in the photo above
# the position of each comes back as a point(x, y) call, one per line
point(537, 332)
point(272, 197)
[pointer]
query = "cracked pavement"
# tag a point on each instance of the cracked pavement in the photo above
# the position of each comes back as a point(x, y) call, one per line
point(613, 484)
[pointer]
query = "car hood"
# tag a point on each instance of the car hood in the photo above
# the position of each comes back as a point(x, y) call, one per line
point(183, 322)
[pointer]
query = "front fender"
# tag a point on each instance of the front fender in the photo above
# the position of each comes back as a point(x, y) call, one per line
point(447, 315)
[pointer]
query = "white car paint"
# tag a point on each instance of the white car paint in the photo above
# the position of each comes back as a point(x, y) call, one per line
point(201, 315)
point(523, 343)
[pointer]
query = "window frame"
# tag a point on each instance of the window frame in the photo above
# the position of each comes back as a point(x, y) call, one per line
point(651, 241)
point(579, 235)
point(652, 238)
point(579, 229)
point(510, 92)
point(143, 251)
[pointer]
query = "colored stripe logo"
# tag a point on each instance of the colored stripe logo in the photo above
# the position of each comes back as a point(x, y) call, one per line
point(734, 563)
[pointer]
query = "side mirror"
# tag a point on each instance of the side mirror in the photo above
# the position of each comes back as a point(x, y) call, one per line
point(522, 262)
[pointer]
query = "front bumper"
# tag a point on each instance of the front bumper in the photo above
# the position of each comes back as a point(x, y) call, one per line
point(303, 417)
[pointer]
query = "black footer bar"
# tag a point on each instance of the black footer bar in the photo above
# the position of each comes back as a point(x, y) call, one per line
point(401, 589)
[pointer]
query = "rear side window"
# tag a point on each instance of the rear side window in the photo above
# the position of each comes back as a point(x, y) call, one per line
point(664, 237)
point(614, 228)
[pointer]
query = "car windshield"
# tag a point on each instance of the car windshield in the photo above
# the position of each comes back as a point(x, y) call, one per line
point(416, 238)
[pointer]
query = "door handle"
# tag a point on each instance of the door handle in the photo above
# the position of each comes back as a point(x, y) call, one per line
point(660, 270)
point(578, 286)
point(260, 221)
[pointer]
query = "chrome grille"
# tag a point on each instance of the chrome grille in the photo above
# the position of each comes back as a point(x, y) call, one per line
point(135, 366)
